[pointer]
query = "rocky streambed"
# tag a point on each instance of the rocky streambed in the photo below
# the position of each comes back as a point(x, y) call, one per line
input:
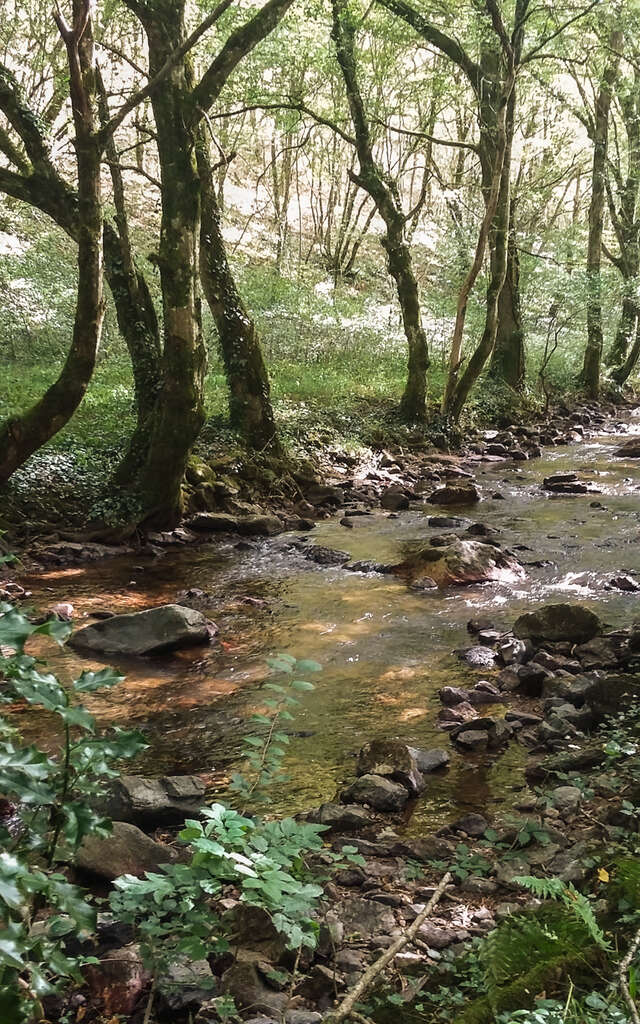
point(474, 617)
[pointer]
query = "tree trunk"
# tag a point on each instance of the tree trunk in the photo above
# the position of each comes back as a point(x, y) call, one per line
point(622, 373)
point(593, 350)
point(508, 359)
point(482, 353)
point(22, 436)
point(135, 311)
point(250, 408)
point(387, 200)
point(179, 412)
point(624, 333)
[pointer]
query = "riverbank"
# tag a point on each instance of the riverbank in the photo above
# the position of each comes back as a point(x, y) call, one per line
point(400, 663)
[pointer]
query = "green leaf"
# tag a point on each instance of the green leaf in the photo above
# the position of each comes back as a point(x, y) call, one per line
point(90, 681)
point(306, 665)
point(301, 685)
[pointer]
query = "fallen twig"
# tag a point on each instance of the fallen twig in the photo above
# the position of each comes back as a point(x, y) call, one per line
point(623, 969)
point(345, 1009)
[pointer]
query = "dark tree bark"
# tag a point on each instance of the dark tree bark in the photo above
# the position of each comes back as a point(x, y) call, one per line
point(625, 217)
point(40, 184)
point(179, 105)
point(178, 415)
point(508, 359)
point(250, 408)
point(492, 79)
point(135, 311)
point(385, 195)
point(593, 350)
point(22, 436)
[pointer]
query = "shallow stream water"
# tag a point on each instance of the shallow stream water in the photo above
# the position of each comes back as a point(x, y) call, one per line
point(386, 650)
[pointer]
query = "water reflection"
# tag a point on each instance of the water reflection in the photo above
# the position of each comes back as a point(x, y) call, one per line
point(386, 649)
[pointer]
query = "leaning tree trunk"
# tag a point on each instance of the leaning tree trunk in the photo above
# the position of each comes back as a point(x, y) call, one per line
point(593, 350)
point(498, 261)
point(495, 157)
point(135, 310)
point(250, 409)
point(179, 412)
point(22, 436)
point(387, 200)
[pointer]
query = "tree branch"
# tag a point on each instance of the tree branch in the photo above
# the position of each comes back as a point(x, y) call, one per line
point(237, 46)
point(345, 1008)
point(439, 39)
point(565, 25)
point(166, 69)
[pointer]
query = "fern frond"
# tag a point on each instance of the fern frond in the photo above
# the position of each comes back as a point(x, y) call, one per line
point(545, 888)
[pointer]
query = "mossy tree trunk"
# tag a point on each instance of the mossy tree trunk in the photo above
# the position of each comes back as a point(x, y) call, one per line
point(600, 138)
point(178, 415)
point(492, 79)
point(250, 409)
point(625, 218)
point(508, 358)
point(23, 435)
point(385, 195)
point(32, 178)
point(135, 311)
point(498, 66)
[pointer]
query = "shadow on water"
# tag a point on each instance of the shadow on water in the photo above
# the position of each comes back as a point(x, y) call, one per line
point(386, 650)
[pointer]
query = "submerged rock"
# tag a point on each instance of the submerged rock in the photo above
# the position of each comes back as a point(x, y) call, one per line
point(430, 760)
point(153, 631)
point(571, 622)
point(343, 817)
point(629, 450)
point(460, 561)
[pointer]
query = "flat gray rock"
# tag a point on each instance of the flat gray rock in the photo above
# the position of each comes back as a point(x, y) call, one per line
point(153, 631)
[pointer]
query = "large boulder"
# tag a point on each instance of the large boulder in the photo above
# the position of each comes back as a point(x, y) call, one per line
point(552, 622)
point(127, 851)
point(464, 561)
point(153, 802)
point(150, 632)
point(393, 760)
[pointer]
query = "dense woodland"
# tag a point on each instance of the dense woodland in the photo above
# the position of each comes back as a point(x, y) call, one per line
point(277, 270)
point(359, 203)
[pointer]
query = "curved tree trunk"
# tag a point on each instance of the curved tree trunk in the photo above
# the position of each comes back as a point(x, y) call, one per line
point(250, 409)
point(23, 435)
point(135, 311)
point(387, 200)
point(498, 273)
point(40, 184)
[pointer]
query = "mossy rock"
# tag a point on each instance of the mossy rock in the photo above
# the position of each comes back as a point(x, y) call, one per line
point(199, 472)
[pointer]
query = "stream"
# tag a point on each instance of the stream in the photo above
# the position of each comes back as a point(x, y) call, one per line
point(386, 650)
